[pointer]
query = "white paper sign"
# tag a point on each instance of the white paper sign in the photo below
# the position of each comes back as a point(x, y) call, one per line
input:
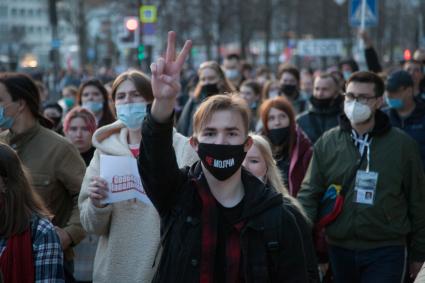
point(320, 47)
point(123, 179)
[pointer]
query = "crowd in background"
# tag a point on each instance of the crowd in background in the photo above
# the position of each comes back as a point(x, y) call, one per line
point(59, 144)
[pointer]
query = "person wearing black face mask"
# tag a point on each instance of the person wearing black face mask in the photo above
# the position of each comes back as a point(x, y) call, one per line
point(216, 216)
point(212, 81)
point(291, 148)
point(324, 110)
point(289, 79)
point(54, 113)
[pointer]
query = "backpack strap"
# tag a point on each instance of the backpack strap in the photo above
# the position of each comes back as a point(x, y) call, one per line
point(272, 221)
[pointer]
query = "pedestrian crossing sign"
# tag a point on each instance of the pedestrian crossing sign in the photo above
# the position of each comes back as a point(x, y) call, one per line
point(371, 13)
point(148, 14)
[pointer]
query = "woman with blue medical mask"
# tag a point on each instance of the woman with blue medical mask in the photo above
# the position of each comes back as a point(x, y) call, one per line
point(128, 230)
point(93, 96)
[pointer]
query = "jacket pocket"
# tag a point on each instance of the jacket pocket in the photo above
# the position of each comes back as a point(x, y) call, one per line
point(42, 184)
point(396, 216)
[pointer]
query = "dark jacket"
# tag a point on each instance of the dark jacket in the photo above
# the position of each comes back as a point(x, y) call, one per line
point(398, 214)
point(414, 125)
point(184, 125)
point(315, 121)
point(174, 194)
point(293, 173)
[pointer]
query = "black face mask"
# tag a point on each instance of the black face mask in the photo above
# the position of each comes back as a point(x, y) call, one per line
point(278, 136)
point(322, 103)
point(289, 90)
point(221, 160)
point(209, 90)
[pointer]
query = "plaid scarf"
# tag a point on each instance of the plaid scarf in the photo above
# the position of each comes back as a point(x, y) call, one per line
point(209, 239)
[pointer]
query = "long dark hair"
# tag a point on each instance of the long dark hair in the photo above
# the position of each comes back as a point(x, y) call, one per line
point(21, 86)
point(107, 116)
point(18, 201)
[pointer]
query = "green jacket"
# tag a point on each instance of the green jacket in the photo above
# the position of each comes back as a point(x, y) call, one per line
point(57, 170)
point(398, 215)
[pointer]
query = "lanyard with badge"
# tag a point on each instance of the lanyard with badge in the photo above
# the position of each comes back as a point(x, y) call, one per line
point(366, 180)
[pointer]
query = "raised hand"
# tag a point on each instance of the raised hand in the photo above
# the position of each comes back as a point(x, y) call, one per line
point(166, 79)
point(166, 72)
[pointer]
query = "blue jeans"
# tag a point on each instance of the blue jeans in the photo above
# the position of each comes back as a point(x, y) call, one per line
point(386, 265)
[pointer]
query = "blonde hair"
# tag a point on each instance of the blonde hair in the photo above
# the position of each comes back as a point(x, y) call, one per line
point(220, 102)
point(273, 176)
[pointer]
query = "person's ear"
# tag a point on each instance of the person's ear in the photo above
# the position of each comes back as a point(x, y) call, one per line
point(249, 142)
point(194, 143)
point(22, 104)
point(409, 92)
point(379, 102)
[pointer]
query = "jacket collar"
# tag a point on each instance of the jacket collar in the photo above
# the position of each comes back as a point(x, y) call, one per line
point(334, 108)
point(16, 141)
point(382, 124)
point(258, 196)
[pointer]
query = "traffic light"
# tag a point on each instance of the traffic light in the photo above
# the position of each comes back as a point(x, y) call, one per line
point(141, 52)
point(407, 55)
point(130, 37)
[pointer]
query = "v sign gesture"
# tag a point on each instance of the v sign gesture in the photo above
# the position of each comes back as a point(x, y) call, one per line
point(166, 78)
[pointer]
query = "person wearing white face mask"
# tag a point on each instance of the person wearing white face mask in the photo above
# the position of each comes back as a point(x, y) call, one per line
point(382, 184)
point(128, 230)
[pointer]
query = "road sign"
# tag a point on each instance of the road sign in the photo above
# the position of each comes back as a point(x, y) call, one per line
point(148, 29)
point(148, 14)
point(320, 47)
point(149, 40)
point(56, 43)
point(370, 13)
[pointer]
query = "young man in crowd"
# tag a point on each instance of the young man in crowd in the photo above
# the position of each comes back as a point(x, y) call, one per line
point(404, 109)
point(219, 223)
point(324, 109)
point(379, 166)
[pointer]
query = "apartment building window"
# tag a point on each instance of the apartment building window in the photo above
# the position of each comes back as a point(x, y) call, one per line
point(3, 11)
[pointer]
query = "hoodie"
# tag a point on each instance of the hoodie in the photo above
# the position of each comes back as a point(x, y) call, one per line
point(174, 193)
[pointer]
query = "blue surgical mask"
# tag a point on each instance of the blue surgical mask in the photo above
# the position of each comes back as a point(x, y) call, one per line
point(132, 114)
point(69, 102)
point(394, 103)
point(346, 74)
point(93, 106)
point(5, 121)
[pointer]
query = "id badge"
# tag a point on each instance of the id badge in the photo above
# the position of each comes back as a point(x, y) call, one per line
point(365, 187)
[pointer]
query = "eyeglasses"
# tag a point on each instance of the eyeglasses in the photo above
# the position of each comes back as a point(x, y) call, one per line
point(362, 98)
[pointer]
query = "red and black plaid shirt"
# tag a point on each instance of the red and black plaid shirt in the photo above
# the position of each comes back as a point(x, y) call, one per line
point(209, 240)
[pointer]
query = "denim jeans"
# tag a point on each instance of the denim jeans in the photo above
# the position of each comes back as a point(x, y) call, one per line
point(386, 264)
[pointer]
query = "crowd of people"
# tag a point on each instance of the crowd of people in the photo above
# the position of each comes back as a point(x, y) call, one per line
point(252, 175)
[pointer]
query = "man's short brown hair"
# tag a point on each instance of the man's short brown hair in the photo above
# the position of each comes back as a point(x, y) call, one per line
point(286, 68)
point(368, 77)
point(220, 103)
